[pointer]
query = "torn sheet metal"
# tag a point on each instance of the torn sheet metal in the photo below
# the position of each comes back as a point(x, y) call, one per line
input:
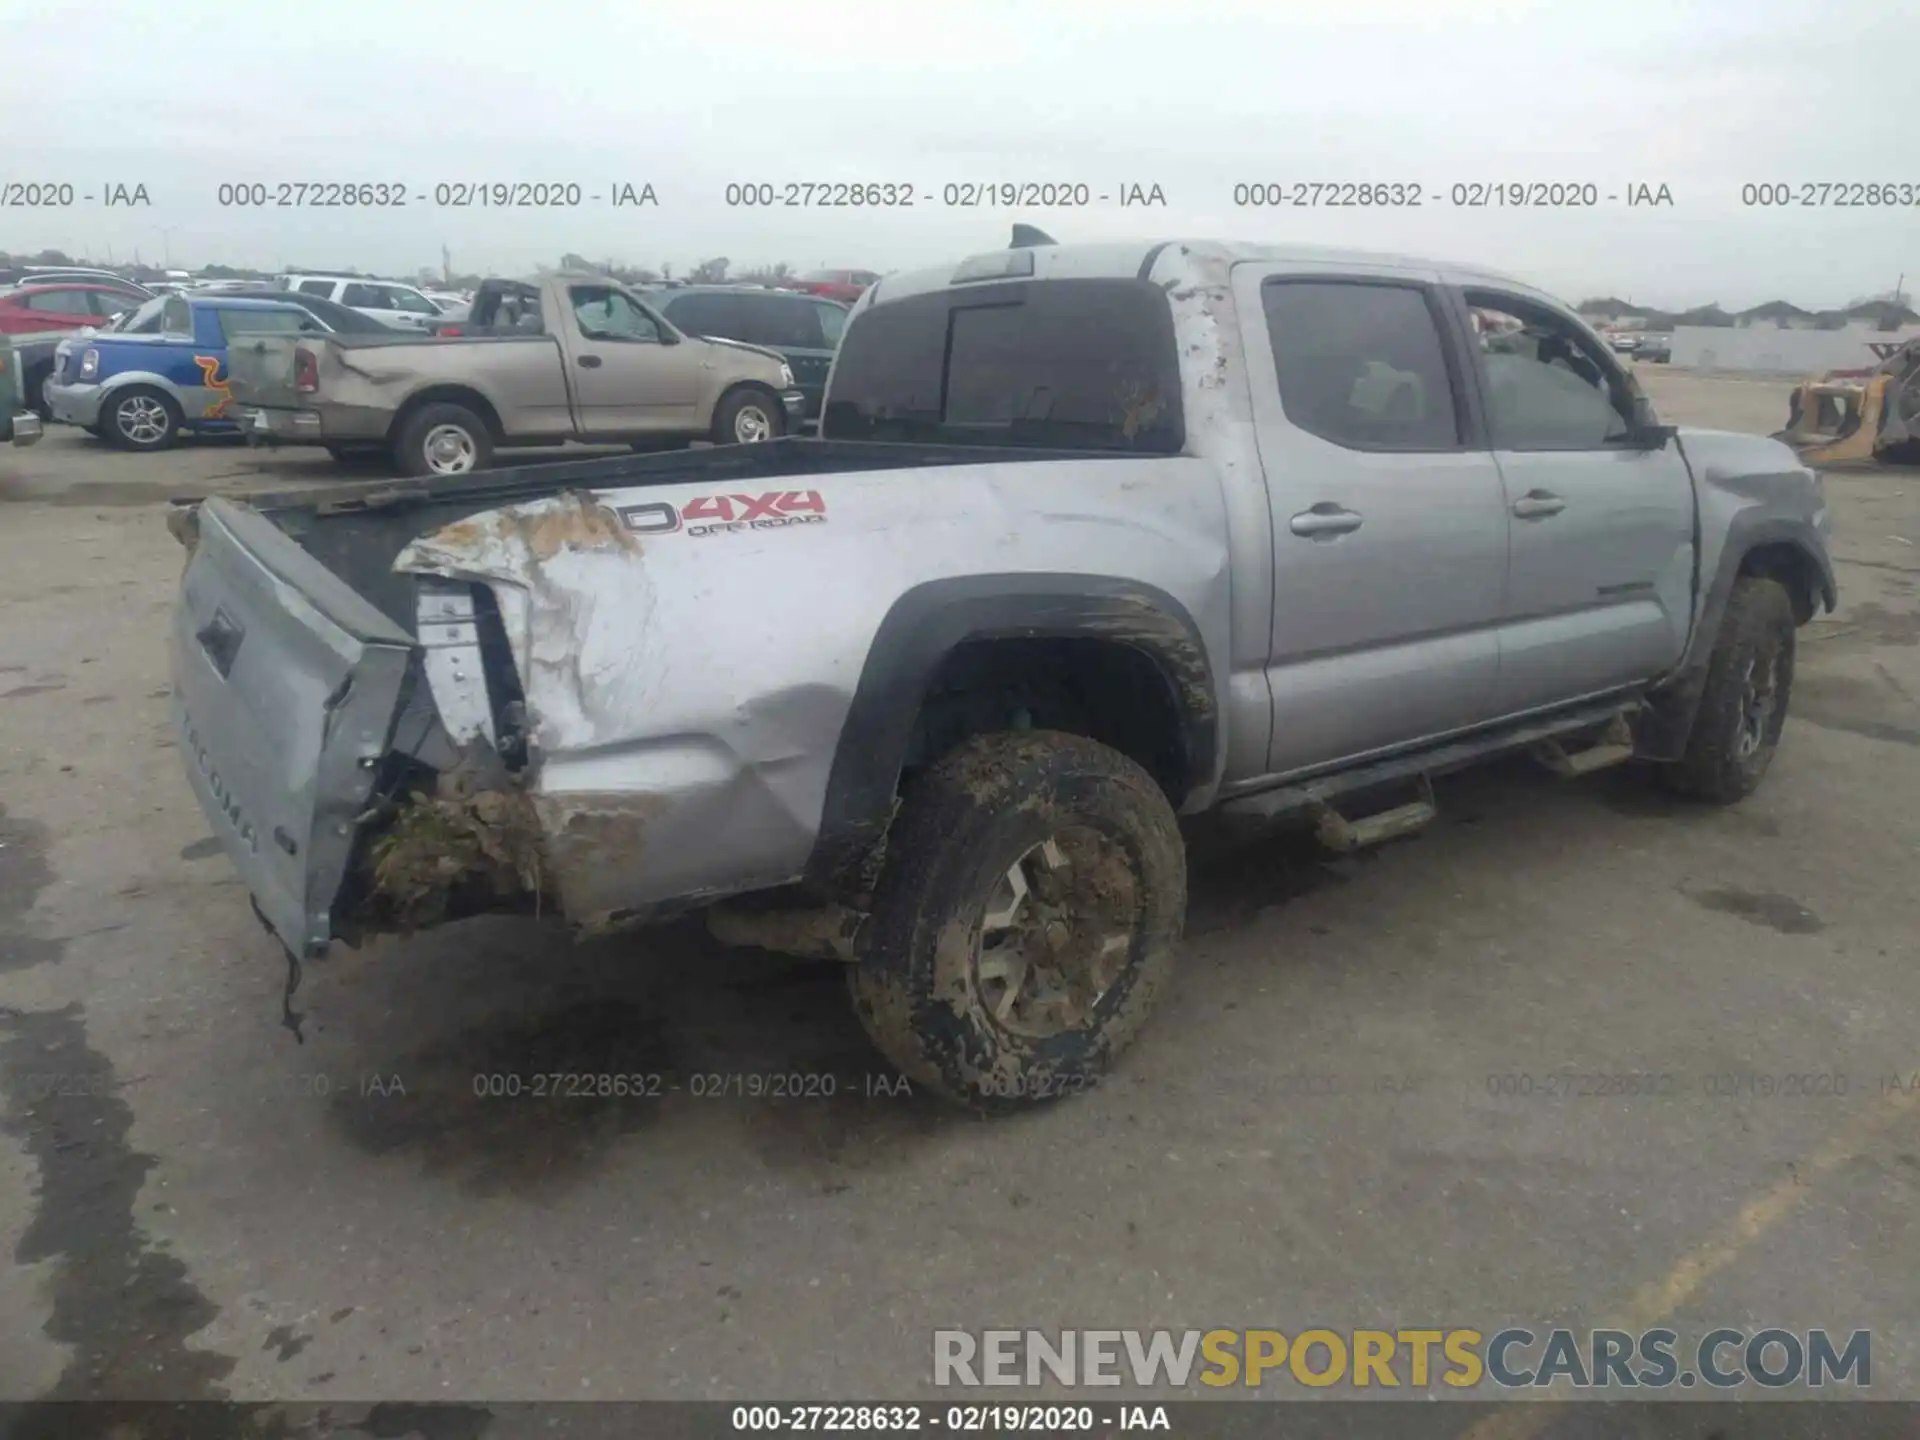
point(555, 563)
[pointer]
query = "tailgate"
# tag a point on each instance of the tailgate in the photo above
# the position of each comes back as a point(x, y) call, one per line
point(285, 688)
point(260, 371)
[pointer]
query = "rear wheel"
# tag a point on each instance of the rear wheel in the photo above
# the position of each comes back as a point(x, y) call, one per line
point(748, 416)
point(141, 418)
point(443, 439)
point(1025, 918)
point(1744, 703)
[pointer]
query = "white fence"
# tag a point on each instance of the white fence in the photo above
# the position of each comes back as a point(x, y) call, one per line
point(1794, 352)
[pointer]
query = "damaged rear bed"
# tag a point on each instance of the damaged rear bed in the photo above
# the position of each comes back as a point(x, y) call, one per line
point(359, 735)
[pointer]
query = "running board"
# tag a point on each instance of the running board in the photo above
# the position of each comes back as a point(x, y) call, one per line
point(1614, 747)
point(1266, 806)
point(1336, 832)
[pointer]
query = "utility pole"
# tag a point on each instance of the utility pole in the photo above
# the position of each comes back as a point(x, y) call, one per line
point(446, 265)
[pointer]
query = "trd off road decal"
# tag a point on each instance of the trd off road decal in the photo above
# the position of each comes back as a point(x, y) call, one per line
point(723, 514)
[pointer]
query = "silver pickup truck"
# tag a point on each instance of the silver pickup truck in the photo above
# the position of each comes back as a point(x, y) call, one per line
point(1095, 538)
point(537, 362)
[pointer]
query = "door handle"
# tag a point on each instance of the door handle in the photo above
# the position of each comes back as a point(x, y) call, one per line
point(1538, 505)
point(589, 362)
point(1324, 520)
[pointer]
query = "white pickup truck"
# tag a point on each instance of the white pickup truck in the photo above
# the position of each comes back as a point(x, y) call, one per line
point(1095, 538)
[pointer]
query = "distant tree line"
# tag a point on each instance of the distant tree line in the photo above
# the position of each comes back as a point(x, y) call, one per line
point(1888, 310)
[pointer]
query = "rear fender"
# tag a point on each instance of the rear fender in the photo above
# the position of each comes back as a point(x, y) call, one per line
point(922, 629)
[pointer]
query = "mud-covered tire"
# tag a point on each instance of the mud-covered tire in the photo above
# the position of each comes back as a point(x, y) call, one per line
point(1734, 735)
point(734, 418)
point(983, 811)
point(443, 439)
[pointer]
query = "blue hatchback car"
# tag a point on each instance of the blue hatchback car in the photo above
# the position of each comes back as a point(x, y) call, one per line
point(142, 389)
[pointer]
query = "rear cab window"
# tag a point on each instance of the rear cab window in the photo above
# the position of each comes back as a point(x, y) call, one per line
point(1363, 363)
point(783, 322)
point(1071, 364)
point(235, 323)
point(507, 306)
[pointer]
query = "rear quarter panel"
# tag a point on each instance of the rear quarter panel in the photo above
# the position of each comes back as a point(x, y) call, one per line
point(689, 657)
point(520, 377)
point(194, 374)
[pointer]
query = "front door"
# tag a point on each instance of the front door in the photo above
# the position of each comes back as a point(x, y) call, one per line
point(1389, 524)
point(630, 374)
point(1601, 550)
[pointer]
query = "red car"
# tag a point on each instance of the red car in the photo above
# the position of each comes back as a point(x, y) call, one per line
point(34, 308)
point(845, 286)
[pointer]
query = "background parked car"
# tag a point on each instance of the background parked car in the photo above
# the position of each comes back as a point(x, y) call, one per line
point(804, 330)
point(452, 306)
point(63, 275)
point(32, 309)
point(1655, 348)
point(140, 391)
point(846, 285)
point(400, 306)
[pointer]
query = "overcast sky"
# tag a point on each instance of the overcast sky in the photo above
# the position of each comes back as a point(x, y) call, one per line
point(1194, 97)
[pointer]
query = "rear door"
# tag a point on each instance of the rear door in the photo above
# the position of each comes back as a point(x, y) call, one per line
point(1601, 547)
point(630, 373)
point(1389, 522)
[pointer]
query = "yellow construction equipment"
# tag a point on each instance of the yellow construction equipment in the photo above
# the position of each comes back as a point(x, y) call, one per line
point(1854, 415)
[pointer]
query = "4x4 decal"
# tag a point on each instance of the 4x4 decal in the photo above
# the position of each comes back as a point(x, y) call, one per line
point(725, 514)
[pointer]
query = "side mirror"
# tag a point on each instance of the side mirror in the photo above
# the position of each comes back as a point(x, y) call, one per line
point(1648, 433)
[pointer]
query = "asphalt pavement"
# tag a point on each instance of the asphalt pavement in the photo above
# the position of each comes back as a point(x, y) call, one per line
point(1346, 1113)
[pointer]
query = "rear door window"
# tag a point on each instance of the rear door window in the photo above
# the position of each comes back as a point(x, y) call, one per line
point(322, 288)
point(365, 297)
point(60, 302)
point(782, 322)
point(708, 315)
point(1053, 363)
point(1362, 363)
point(235, 323)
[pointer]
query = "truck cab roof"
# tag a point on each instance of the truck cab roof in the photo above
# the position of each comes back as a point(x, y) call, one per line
point(1145, 260)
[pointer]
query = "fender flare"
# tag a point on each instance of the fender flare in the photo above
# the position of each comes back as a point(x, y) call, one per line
point(922, 628)
point(1661, 731)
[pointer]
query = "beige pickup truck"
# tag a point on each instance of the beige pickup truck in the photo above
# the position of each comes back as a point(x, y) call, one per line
point(537, 362)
